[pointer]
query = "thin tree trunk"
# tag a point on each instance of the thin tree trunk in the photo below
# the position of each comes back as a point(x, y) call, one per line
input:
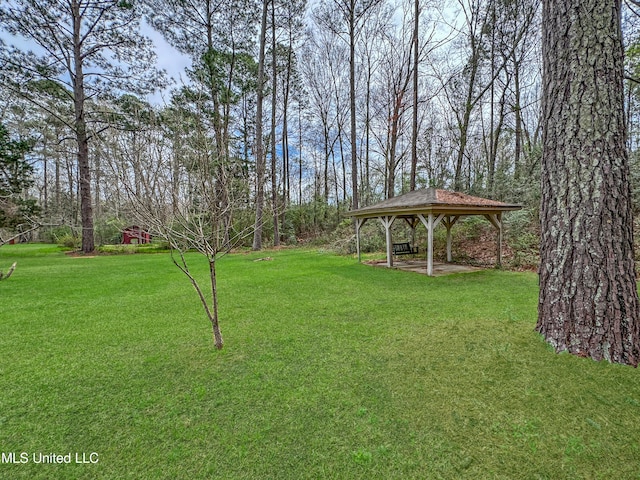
point(72, 172)
point(215, 321)
point(414, 119)
point(286, 178)
point(326, 162)
point(221, 118)
point(274, 99)
point(367, 136)
point(98, 182)
point(335, 176)
point(464, 131)
point(57, 186)
point(300, 154)
point(492, 142)
point(352, 105)
point(344, 169)
point(517, 168)
point(45, 174)
point(260, 160)
point(210, 310)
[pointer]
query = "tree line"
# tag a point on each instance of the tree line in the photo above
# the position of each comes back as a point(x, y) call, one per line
point(304, 111)
point(361, 100)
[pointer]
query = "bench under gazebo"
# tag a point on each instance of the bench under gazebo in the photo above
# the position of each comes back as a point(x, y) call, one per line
point(431, 206)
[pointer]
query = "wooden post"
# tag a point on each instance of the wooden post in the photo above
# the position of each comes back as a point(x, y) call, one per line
point(387, 221)
point(447, 224)
point(430, 225)
point(359, 223)
point(430, 245)
point(499, 252)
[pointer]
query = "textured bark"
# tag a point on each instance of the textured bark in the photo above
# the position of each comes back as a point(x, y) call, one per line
point(517, 110)
point(274, 104)
point(588, 301)
point(352, 104)
point(84, 171)
point(213, 312)
point(260, 160)
point(414, 113)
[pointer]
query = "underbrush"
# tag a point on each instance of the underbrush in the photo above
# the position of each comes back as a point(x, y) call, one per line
point(120, 249)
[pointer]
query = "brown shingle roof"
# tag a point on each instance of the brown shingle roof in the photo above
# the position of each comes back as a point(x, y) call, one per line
point(435, 201)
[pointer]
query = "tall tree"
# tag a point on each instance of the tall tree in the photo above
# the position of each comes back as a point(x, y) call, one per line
point(260, 158)
point(292, 19)
point(414, 112)
point(392, 103)
point(274, 111)
point(96, 45)
point(588, 301)
point(464, 90)
point(347, 18)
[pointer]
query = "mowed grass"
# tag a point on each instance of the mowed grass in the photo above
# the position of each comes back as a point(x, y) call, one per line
point(330, 369)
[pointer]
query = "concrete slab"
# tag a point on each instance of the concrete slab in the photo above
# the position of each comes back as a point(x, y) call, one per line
point(420, 266)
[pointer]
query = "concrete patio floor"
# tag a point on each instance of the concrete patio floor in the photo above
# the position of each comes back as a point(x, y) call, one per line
point(420, 266)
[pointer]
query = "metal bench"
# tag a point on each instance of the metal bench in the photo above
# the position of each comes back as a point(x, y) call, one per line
point(404, 249)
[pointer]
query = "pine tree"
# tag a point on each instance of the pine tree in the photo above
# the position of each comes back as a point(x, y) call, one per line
point(588, 297)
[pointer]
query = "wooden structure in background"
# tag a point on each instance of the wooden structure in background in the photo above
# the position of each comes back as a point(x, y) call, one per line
point(431, 207)
point(135, 234)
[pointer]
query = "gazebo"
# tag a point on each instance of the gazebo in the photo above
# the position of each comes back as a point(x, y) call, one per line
point(431, 206)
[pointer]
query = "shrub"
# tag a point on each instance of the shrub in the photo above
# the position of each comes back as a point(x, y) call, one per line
point(69, 241)
point(62, 235)
point(121, 249)
point(108, 230)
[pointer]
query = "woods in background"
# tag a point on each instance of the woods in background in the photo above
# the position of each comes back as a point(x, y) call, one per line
point(360, 100)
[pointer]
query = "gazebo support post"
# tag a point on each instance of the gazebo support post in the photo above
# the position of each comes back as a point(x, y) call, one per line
point(430, 245)
point(359, 223)
point(499, 252)
point(496, 221)
point(387, 222)
point(430, 224)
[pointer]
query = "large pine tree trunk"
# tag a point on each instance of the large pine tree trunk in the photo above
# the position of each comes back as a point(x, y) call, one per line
point(84, 171)
point(588, 301)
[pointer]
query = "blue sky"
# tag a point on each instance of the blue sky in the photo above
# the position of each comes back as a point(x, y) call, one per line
point(169, 59)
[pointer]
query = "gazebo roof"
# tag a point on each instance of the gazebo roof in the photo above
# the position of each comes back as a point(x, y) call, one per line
point(433, 200)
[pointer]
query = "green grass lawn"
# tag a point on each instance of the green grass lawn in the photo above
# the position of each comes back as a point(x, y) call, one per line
point(330, 369)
